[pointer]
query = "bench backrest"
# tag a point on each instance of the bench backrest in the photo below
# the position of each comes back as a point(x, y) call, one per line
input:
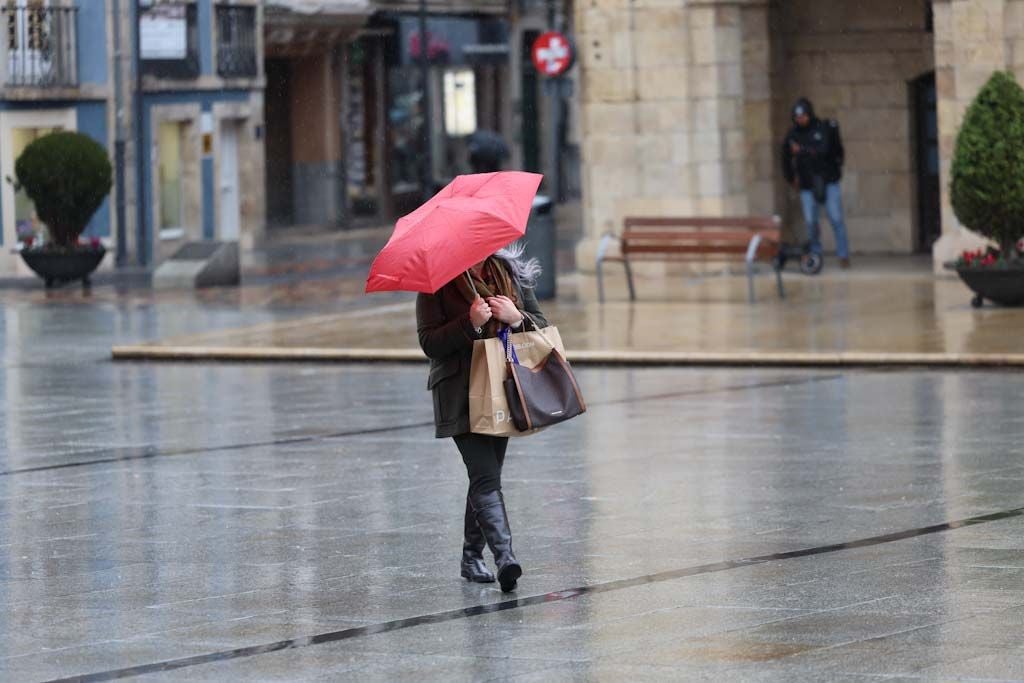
point(699, 236)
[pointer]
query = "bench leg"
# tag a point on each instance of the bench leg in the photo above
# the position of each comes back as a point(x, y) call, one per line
point(778, 283)
point(629, 280)
point(750, 282)
point(600, 282)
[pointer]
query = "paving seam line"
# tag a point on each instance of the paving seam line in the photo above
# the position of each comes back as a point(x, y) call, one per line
point(556, 596)
point(782, 359)
point(149, 454)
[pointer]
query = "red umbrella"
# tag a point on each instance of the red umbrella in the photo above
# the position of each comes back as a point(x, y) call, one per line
point(464, 223)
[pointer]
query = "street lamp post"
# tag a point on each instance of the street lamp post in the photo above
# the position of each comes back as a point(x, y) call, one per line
point(427, 160)
point(555, 115)
point(141, 236)
point(119, 137)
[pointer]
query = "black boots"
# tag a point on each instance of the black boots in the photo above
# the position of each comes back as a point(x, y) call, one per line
point(473, 566)
point(490, 515)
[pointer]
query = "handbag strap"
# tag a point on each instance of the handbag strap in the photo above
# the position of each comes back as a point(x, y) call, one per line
point(537, 329)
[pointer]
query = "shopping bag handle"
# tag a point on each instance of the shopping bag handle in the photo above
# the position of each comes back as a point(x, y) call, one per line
point(510, 350)
point(537, 329)
point(505, 334)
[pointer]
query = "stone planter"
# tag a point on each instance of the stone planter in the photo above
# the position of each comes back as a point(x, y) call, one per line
point(1004, 286)
point(56, 267)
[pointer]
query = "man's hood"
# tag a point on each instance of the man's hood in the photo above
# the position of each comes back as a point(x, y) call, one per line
point(803, 106)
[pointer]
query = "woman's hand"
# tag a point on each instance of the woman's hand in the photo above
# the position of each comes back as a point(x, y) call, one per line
point(504, 310)
point(479, 313)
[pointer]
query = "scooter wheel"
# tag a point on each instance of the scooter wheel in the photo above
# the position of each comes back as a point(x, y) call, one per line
point(811, 263)
point(978, 301)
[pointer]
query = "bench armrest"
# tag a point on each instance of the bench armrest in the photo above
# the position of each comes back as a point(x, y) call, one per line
point(602, 247)
point(752, 248)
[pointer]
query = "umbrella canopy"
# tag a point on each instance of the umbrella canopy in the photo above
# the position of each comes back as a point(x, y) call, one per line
point(467, 221)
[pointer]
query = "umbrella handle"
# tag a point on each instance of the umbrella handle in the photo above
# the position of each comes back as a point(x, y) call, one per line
point(471, 285)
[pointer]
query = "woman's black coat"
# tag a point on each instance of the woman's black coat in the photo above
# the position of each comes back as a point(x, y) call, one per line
point(446, 336)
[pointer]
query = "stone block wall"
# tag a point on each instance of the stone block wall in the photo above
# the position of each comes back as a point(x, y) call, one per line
point(683, 104)
point(667, 92)
point(854, 60)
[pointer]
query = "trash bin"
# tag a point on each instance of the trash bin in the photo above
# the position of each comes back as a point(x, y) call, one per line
point(540, 244)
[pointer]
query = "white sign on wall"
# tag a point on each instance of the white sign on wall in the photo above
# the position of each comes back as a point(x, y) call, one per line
point(163, 33)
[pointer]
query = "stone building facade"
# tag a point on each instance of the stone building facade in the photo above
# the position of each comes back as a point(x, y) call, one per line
point(54, 75)
point(198, 127)
point(684, 105)
point(347, 120)
point(188, 113)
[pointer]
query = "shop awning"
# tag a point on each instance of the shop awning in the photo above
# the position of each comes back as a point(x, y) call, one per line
point(322, 8)
point(301, 27)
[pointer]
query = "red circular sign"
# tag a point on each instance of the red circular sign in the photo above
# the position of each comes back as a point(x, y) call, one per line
point(552, 54)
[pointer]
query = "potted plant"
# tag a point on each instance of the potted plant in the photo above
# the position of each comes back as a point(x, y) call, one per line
point(67, 176)
point(987, 190)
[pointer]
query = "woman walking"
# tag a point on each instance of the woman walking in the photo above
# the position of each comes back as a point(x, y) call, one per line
point(477, 305)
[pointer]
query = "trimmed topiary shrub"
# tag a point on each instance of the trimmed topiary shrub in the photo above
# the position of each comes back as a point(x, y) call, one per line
point(987, 188)
point(67, 176)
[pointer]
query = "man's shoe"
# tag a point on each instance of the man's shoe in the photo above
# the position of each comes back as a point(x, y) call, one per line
point(473, 568)
point(489, 509)
point(844, 263)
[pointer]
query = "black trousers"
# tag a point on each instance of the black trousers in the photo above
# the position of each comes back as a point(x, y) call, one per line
point(483, 456)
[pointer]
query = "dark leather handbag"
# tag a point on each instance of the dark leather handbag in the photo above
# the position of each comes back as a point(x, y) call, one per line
point(542, 395)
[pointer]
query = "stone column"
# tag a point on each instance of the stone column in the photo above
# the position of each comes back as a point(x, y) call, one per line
point(316, 140)
point(973, 38)
point(675, 111)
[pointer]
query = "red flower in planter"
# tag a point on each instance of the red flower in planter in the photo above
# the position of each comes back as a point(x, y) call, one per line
point(980, 257)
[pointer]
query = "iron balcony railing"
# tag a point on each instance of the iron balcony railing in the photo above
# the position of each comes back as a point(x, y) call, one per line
point(236, 41)
point(41, 44)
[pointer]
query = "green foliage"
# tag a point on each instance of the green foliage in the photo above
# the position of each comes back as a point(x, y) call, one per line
point(987, 188)
point(67, 176)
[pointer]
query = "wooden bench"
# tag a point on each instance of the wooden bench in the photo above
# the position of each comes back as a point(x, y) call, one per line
point(747, 239)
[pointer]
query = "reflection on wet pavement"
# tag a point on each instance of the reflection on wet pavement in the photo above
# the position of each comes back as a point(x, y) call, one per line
point(298, 522)
point(271, 503)
point(877, 311)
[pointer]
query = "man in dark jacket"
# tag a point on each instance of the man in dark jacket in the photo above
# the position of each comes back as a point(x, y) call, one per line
point(812, 162)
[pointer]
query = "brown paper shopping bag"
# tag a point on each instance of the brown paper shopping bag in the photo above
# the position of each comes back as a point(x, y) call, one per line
point(488, 406)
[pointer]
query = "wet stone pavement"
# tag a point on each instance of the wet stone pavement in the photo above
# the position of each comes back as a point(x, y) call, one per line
point(283, 522)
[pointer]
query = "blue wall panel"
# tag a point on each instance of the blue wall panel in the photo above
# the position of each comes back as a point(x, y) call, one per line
point(208, 200)
point(92, 120)
point(92, 41)
point(2, 215)
point(205, 21)
point(207, 180)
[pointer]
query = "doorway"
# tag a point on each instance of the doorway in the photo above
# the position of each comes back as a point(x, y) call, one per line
point(278, 143)
point(926, 134)
point(230, 202)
